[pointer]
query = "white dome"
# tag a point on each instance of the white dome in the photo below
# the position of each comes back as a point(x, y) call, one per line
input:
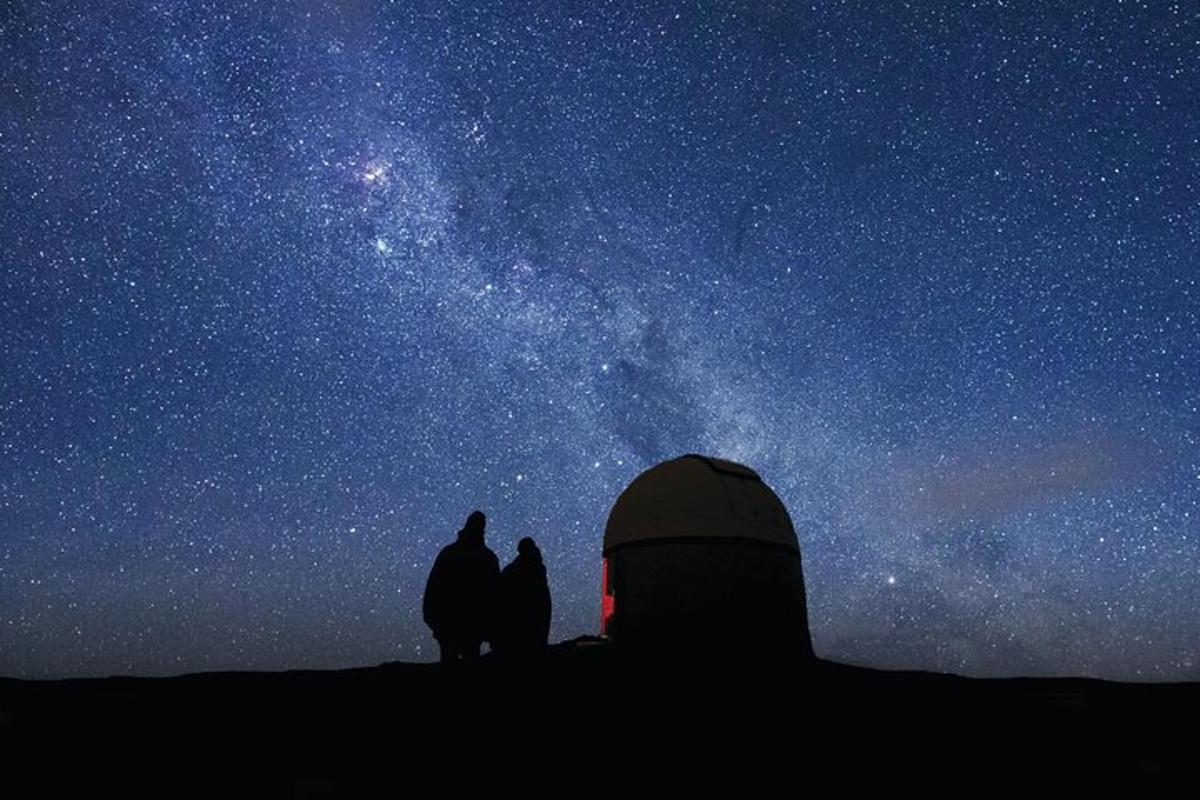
point(696, 496)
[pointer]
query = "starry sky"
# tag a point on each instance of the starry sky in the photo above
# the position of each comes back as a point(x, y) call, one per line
point(287, 290)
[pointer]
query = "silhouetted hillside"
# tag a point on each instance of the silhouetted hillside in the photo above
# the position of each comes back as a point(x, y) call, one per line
point(585, 710)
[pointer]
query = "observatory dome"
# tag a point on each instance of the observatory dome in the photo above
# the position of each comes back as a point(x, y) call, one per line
point(696, 496)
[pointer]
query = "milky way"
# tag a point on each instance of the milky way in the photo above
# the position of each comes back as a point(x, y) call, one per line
point(287, 291)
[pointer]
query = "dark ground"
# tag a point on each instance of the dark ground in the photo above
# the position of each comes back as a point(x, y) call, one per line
point(584, 719)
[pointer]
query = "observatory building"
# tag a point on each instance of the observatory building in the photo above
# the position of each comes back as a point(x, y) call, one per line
point(699, 553)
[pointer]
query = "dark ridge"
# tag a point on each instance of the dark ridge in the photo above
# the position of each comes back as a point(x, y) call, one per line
point(587, 712)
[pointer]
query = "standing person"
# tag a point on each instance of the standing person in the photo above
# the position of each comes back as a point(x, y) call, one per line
point(460, 594)
point(523, 623)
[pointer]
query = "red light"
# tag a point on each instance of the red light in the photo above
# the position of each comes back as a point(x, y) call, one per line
point(608, 603)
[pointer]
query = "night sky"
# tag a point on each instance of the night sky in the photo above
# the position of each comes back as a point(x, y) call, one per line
point(286, 292)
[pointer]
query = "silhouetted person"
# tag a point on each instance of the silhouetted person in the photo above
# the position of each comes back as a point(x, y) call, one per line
point(523, 617)
point(460, 594)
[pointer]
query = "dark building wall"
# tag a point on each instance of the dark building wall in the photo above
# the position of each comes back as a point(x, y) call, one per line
point(708, 593)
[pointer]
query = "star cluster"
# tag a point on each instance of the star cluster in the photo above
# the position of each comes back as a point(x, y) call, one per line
point(288, 289)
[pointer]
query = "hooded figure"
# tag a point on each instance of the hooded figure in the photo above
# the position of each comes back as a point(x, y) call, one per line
point(523, 623)
point(460, 594)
